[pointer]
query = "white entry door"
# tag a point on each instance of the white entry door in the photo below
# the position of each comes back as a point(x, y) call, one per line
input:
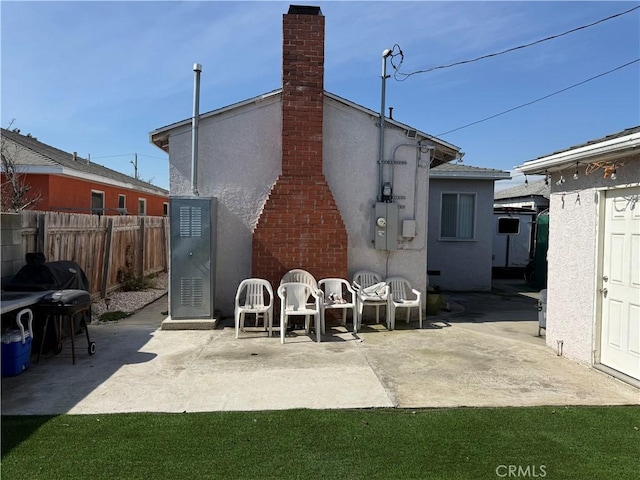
point(620, 334)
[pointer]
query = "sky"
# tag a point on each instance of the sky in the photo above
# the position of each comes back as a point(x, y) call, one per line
point(96, 77)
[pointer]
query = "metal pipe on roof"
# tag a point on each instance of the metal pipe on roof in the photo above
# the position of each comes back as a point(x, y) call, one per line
point(197, 68)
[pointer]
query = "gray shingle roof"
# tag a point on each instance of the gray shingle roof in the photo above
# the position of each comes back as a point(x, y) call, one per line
point(467, 172)
point(46, 155)
point(532, 189)
point(456, 167)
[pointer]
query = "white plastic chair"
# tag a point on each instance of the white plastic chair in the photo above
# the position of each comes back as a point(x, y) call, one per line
point(370, 290)
point(250, 298)
point(401, 295)
point(294, 298)
point(334, 291)
point(302, 276)
point(542, 311)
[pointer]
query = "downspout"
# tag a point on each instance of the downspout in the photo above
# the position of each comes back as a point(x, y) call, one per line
point(197, 68)
point(385, 54)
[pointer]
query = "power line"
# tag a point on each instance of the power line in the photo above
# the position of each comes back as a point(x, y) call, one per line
point(128, 155)
point(541, 98)
point(552, 37)
point(113, 156)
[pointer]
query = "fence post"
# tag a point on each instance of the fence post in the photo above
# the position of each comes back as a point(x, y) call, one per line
point(141, 249)
point(165, 255)
point(107, 259)
point(40, 239)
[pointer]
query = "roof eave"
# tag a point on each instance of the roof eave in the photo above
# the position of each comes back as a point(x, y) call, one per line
point(160, 136)
point(470, 175)
point(602, 151)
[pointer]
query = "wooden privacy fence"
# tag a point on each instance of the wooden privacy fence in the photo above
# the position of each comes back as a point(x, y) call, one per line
point(107, 248)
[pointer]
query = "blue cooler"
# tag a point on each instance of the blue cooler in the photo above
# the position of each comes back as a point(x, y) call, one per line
point(16, 346)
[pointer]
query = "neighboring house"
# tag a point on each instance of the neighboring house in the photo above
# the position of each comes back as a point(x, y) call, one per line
point(67, 183)
point(532, 195)
point(298, 179)
point(593, 305)
point(461, 226)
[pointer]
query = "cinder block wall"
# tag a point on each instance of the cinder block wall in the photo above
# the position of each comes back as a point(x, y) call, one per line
point(300, 225)
point(11, 240)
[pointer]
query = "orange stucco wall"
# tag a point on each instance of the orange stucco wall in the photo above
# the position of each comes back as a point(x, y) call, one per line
point(67, 194)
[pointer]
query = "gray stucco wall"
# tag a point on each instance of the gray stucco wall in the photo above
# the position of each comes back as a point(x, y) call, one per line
point(574, 259)
point(240, 159)
point(463, 265)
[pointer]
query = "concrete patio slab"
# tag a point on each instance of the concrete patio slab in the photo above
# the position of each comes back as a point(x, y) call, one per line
point(485, 354)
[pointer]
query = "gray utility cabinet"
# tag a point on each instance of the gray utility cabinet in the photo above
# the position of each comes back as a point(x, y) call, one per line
point(193, 257)
point(385, 226)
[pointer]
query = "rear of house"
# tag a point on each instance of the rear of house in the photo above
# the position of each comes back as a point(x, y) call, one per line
point(297, 176)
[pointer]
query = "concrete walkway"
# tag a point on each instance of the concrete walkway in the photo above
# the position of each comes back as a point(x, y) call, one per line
point(484, 353)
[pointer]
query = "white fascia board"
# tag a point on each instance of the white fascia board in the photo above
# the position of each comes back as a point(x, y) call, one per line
point(607, 150)
point(470, 175)
point(67, 172)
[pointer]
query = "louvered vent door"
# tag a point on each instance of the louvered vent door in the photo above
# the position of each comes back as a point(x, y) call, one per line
point(192, 257)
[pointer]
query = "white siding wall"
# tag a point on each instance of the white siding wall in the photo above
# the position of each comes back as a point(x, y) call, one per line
point(573, 260)
point(240, 159)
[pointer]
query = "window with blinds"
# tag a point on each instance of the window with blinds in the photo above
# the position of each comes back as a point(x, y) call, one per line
point(457, 216)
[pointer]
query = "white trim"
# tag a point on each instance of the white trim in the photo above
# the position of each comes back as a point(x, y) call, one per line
point(144, 201)
point(102, 196)
point(64, 171)
point(600, 151)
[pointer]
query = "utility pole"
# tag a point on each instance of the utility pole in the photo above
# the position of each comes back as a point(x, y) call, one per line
point(135, 166)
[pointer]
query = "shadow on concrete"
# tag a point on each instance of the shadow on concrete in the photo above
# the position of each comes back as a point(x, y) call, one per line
point(56, 381)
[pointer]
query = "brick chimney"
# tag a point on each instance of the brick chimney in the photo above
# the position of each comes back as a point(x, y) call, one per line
point(300, 225)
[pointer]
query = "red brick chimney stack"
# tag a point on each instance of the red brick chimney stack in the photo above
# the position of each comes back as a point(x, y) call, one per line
point(302, 91)
point(300, 225)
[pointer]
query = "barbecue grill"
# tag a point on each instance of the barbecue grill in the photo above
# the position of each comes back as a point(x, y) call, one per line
point(65, 295)
point(61, 304)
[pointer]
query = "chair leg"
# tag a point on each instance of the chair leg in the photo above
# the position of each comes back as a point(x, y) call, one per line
point(408, 314)
point(377, 313)
point(354, 317)
point(283, 326)
point(237, 322)
point(318, 327)
point(420, 315)
point(270, 323)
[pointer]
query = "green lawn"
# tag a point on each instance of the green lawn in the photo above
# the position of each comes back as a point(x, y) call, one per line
point(470, 443)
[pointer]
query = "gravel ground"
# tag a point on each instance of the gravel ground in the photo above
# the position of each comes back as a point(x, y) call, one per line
point(131, 302)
